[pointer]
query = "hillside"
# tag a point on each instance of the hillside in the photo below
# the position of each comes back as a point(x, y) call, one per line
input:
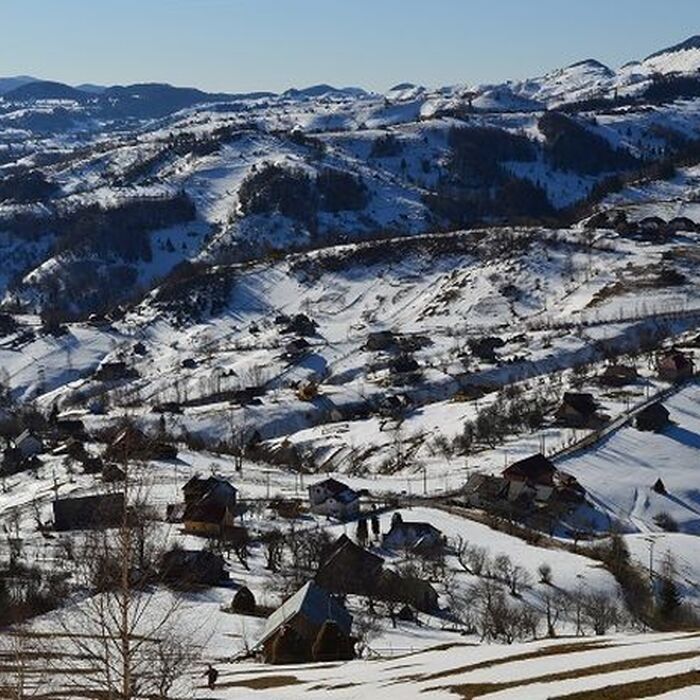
point(418, 369)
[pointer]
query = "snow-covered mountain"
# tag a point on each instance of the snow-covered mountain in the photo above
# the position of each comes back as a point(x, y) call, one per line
point(192, 176)
point(407, 292)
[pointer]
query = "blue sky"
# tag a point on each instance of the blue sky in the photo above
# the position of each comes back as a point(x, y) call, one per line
point(241, 45)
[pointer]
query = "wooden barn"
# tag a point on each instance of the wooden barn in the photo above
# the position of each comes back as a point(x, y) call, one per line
point(349, 568)
point(305, 612)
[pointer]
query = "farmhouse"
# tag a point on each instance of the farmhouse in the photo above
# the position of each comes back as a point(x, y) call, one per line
point(88, 512)
point(537, 479)
point(536, 470)
point(578, 410)
point(334, 498)
point(304, 613)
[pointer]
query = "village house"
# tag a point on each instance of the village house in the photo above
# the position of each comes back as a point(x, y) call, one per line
point(483, 490)
point(184, 568)
point(537, 479)
point(618, 375)
point(349, 568)
point(88, 512)
point(132, 443)
point(653, 417)
point(674, 366)
point(411, 535)
point(409, 590)
point(536, 469)
point(210, 508)
point(305, 612)
point(578, 410)
point(334, 498)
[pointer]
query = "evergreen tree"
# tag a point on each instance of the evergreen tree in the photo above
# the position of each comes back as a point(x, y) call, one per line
point(669, 599)
point(361, 533)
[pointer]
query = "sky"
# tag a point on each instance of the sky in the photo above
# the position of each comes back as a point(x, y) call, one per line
point(246, 45)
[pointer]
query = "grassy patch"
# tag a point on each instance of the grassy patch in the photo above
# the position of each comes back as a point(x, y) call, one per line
point(263, 682)
point(540, 653)
point(475, 690)
point(636, 690)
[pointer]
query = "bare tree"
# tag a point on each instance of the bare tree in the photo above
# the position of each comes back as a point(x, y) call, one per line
point(600, 611)
point(127, 633)
point(556, 607)
point(23, 673)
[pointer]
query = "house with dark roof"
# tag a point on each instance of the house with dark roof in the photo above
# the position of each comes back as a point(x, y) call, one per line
point(618, 375)
point(88, 512)
point(349, 568)
point(409, 590)
point(674, 366)
point(213, 487)
point(578, 410)
point(132, 443)
point(184, 568)
point(484, 490)
point(653, 417)
point(537, 479)
point(305, 612)
point(210, 507)
point(536, 469)
point(334, 498)
point(411, 535)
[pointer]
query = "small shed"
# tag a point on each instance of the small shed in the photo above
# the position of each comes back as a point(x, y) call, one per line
point(660, 488)
point(578, 410)
point(652, 418)
point(243, 601)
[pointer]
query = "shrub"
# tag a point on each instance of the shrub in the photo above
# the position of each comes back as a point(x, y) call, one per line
point(666, 522)
point(275, 188)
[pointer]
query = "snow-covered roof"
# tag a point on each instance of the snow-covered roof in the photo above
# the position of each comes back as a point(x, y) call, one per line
point(315, 603)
